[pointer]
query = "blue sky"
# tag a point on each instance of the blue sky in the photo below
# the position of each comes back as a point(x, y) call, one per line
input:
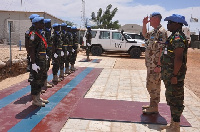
point(170, 4)
point(129, 11)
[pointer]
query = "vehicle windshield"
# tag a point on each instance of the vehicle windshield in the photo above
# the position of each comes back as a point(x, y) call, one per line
point(133, 36)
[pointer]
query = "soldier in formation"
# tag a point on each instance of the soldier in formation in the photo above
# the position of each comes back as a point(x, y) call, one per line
point(37, 50)
point(44, 46)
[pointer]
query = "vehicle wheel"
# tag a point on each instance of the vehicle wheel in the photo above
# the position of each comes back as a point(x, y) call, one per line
point(135, 52)
point(96, 50)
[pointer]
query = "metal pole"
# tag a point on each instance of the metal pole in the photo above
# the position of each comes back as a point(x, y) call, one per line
point(10, 44)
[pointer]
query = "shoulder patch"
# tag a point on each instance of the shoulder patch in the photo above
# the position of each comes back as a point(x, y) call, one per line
point(32, 37)
point(28, 31)
point(177, 38)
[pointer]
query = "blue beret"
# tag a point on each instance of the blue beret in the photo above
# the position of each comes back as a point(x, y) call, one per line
point(55, 25)
point(37, 19)
point(73, 27)
point(155, 14)
point(63, 24)
point(47, 20)
point(176, 18)
point(88, 27)
point(68, 26)
point(32, 16)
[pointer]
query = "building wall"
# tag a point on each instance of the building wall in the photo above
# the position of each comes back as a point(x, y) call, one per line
point(132, 28)
point(20, 24)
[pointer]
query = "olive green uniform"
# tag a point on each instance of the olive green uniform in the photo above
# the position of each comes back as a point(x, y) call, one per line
point(174, 92)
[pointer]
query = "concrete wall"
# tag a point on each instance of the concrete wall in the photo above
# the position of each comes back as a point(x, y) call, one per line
point(21, 24)
point(132, 28)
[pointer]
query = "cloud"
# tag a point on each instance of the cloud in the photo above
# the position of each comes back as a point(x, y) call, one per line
point(129, 12)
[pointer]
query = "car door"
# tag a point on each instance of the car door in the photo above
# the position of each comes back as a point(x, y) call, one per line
point(104, 39)
point(117, 41)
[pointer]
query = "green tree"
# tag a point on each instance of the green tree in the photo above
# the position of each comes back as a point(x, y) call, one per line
point(69, 23)
point(104, 19)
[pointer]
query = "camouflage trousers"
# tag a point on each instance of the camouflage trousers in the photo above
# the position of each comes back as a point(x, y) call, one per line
point(38, 78)
point(73, 57)
point(56, 65)
point(68, 59)
point(49, 54)
point(87, 51)
point(153, 87)
point(175, 97)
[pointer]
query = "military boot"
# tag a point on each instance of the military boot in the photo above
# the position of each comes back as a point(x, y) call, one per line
point(43, 100)
point(72, 68)
point(67, 70)
point(175, 127)
point(36, 101)
point(88, 59)
point(150, 110)
point(47, 85)
point(61, 77)
point(145, 106)
point(168, 125)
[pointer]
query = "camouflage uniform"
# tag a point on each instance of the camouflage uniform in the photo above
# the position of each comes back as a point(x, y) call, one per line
point(27, 38)
point(69, 48)
point(57, 48)
point(49, 46)
point(152, 53)
point(174, 92)
point(88, 40)
point(37, 44)
point(75, 46)
point(64, 48)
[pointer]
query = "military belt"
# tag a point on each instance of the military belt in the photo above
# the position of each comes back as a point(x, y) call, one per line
point(42, 53)
point(171, 51)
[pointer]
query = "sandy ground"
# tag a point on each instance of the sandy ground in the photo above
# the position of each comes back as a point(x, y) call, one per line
point(123, 62)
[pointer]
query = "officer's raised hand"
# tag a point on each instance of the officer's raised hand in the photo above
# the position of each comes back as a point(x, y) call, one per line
point(35, 67)
point(145, 20)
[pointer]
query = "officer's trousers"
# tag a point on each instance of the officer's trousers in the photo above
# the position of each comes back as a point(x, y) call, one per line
point(175, 97)
point(153, 87)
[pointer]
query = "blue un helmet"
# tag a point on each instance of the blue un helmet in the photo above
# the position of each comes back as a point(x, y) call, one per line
point(32, 16)
point(55, 25)
point(47, 20)
point(73, 27)
point(38, 19)
point(176, 18)
point(63, 25)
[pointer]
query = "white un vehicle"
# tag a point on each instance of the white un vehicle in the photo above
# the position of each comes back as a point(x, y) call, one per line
point(114, 40)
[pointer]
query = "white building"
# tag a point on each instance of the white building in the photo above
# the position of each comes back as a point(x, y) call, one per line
point(20, 23)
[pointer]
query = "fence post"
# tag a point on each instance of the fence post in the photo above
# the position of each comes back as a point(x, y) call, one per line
point(10, 44)
point(20, 45)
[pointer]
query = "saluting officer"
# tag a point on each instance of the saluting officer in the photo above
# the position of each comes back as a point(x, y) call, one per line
point(56, 50)
point(153, 51)
point(75, 47)
point(88, 42)
point(173, 60)
point(37, 50)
